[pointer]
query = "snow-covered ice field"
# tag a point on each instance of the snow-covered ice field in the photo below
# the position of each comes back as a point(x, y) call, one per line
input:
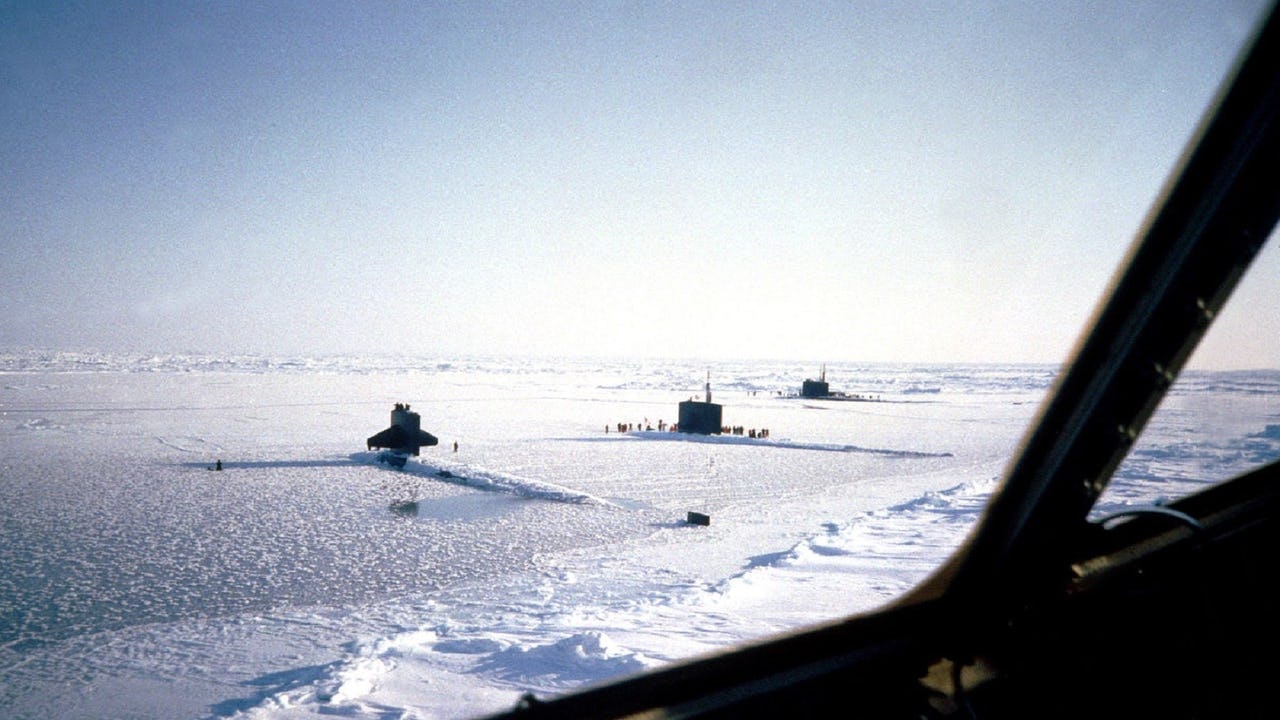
point(307, 579)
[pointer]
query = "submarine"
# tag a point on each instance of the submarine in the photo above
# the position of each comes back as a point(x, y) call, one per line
point(816, 388)
point(820, 389)
point(405, 436)
point(701, 417)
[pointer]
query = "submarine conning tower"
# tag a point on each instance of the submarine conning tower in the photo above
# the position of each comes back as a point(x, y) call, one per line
point(701, 417)
point(816, 388)
point(405, 434)
point(404, 418)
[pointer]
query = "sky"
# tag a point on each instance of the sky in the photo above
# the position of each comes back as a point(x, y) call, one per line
point(914, 182)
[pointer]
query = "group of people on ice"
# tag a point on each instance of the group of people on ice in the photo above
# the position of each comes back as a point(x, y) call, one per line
point(675, 427)
point(738, 430)
point(646, 425)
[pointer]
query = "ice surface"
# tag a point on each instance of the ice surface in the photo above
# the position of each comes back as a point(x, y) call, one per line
point(306, 579)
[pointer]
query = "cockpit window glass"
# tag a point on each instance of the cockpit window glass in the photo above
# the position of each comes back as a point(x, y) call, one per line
point(1221, 418)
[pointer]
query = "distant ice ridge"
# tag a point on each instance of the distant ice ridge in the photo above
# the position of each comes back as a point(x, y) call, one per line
point(750, 375)
point(482, 479)
point(1181, 464)
point(679, 375)
point(88, 362)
